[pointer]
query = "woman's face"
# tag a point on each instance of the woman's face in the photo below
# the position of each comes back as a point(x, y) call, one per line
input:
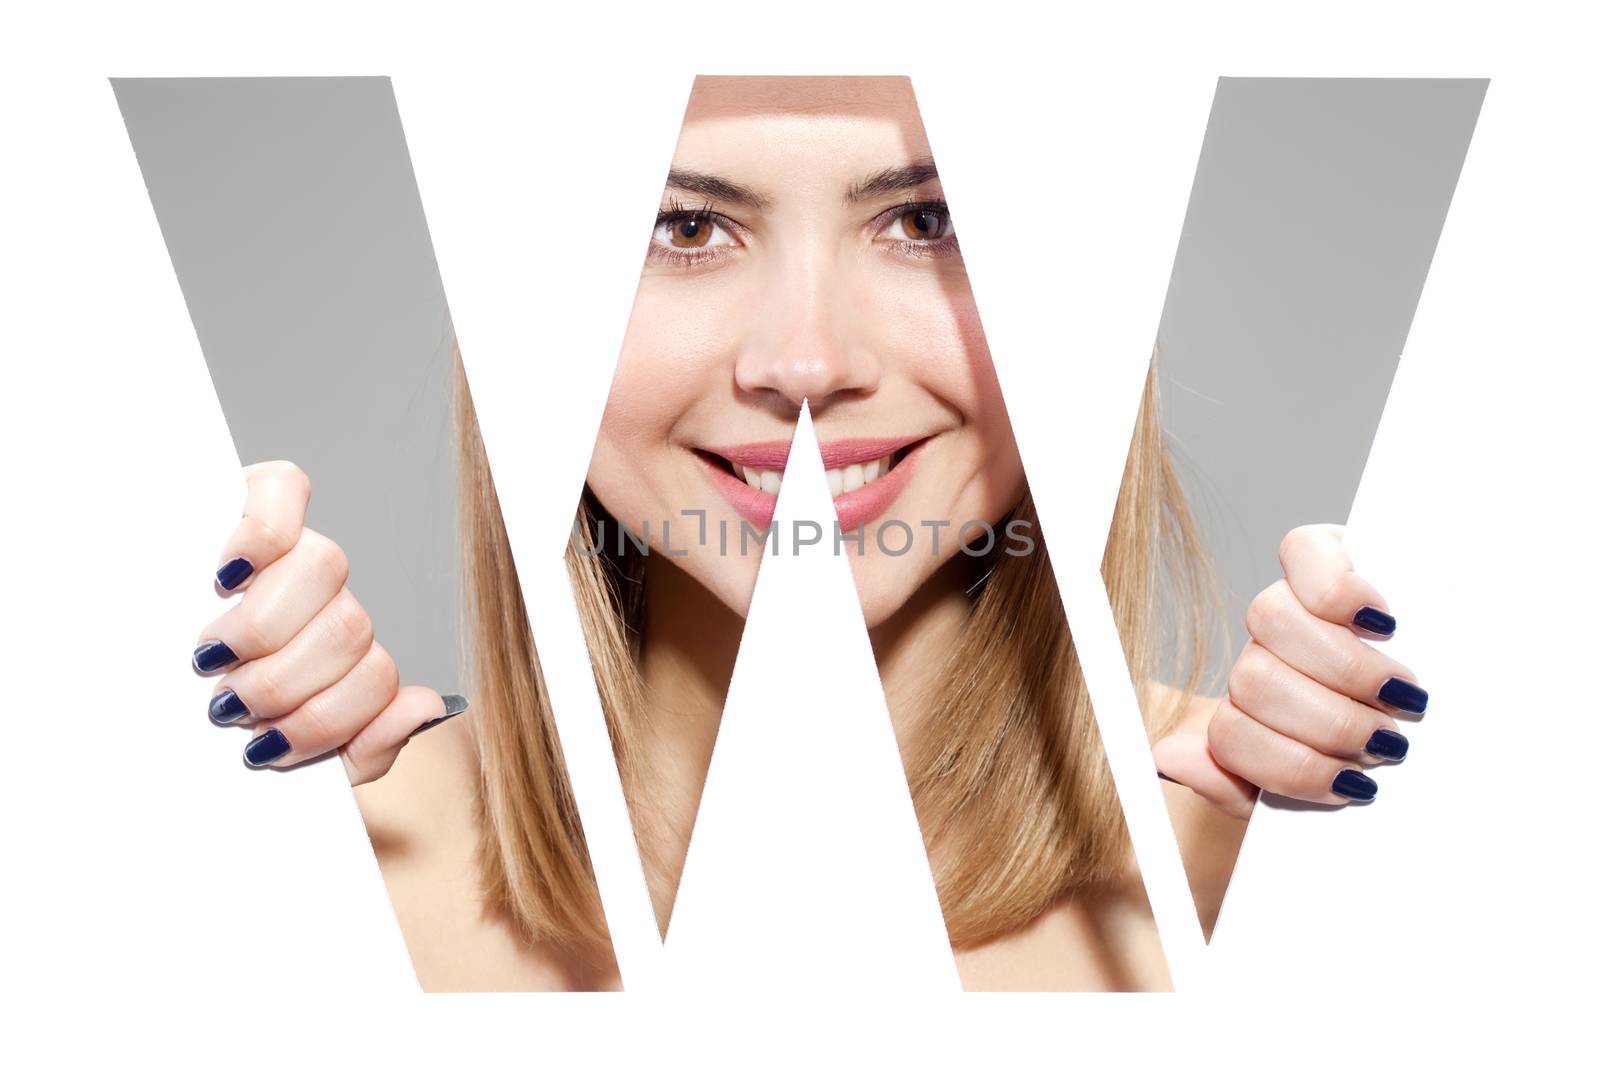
point(804, 253)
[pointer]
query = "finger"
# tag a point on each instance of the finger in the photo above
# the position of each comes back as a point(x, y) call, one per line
point(1319, 571)
point(1280, 764)
point(324, 651)
point(282, 599)
point(276, 494)
point(1330, 653)
point(1185, 758)
point(371, 753)
point(330, 718)
point(1276, 695)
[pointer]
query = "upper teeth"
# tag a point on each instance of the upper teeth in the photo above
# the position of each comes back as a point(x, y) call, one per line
point(840, 479)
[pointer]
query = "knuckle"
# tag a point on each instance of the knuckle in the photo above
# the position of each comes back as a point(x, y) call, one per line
point(326, 556)
point(288, 473)
point(257, 636)
point(1294, 539)
point(266, 691)
point(1335, 595)
point(1265, 616)
point(1348, 667)
point(384, 673)
point(276, 540)
point(1255, 616)
point(1250, 678)
point(348, 624)
point(1305, 778)
point(1347, 729)
point(1222, 734)
point(316, 722)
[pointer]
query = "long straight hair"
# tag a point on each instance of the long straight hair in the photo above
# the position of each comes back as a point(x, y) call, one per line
point(1006, 770)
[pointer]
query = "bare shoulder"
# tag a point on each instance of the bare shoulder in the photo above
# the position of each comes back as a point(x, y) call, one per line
point(422, 810)
point(1097, 940)
point(422, 818)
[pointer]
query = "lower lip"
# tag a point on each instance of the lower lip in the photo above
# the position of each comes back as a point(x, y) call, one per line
point(861, 506)
point(855, 508)
point(753, 506)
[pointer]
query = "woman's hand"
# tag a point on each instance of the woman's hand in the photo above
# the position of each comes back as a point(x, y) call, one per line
point(302, 668)
point(1310, 704)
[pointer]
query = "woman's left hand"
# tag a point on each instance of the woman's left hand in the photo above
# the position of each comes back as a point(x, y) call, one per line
point(1309, 702)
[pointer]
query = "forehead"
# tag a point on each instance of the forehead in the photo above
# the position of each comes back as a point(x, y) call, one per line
point(784, 131)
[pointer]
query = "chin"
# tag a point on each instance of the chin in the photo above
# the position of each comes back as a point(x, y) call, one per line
point(731, 580)
point(882, 590)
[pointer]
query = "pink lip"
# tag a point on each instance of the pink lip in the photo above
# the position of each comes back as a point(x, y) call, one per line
point(753, 506)
point(853, 508)
point(774, 455)
point(860, 506)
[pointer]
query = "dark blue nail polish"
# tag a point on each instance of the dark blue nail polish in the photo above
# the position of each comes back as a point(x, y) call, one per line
point(1389, 745)
point(231, 573)
point(213, 656)
point(454, 704)
point(226, 707)
point(264, 748)
point(1355, 785)
point(1374, 621)
point(1399, 693)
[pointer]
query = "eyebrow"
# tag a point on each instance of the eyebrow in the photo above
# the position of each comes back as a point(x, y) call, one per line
point(893, 180)
point(889, 180)
point(714, 188)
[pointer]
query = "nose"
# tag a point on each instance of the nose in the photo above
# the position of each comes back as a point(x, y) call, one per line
point(809, 341)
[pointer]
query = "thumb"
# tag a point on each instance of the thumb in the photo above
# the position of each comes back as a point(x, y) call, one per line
point(1186, 759)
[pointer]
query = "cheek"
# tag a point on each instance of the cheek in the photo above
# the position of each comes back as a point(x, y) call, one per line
point(1002, 479)
point(664, 365)
point(930, 332)
point(670, 362)
point(925, 325)
point(636, 425)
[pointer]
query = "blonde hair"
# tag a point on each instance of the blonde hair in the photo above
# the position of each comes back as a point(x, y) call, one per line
point(1006, 770)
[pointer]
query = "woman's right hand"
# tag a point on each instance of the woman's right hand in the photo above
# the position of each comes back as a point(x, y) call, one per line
point(303, 670)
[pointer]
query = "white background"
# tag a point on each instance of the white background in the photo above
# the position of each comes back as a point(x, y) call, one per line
point(159, 896)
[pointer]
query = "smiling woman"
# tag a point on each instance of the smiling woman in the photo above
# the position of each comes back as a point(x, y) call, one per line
point(803, 254)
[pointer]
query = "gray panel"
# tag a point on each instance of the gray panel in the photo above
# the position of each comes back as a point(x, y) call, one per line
point(292, 216)
point(1316, 207)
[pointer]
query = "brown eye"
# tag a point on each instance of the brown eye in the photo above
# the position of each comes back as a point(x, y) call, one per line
point(922, 224)
point(690, 233)
point(687, 234)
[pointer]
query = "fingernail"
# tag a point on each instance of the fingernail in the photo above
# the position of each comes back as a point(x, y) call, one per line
point(264, 748)
point(231, 573)
point(1355, 785)
point(1389, 745)
point(1399, 693)
point(212, 656)
point(1374, 621)
point(227, 707)
point(454, 705)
